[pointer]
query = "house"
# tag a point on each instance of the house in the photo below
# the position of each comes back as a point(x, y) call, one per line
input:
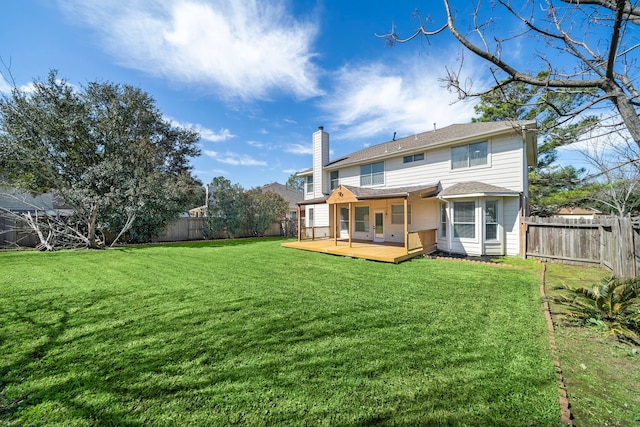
point(461, 189)
point(577, 213)
point(14, 203)
point(288, 226)
point(289, 194)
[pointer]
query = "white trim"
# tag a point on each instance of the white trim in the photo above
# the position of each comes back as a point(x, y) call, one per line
point(466, 196)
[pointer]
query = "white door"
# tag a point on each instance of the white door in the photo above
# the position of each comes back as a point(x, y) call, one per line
point(378, 226)
point(344, 223)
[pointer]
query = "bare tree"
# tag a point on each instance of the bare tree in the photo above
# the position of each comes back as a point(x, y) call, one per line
point(616, 184)
point(584, 45)
point(54, 228)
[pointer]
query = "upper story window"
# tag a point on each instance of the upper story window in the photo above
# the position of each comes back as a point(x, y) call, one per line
point(310, 184)
point(468, 156)
point(372, 174)
point(335, 180)
point(413, 158)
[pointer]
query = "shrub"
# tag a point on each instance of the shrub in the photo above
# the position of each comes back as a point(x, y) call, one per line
point(612, 303)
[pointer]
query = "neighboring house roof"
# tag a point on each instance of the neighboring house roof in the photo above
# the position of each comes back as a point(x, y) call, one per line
point(15, 200)
point(453, 134)
point(475, 188)
point(291, 195)
point(577, 211)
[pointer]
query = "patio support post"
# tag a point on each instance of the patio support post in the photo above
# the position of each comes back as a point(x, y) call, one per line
point(406, 227)
point(335, 224)
point(350, 222)
point(299, 224)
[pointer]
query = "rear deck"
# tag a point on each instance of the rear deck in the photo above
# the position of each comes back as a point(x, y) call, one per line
point(384, 252)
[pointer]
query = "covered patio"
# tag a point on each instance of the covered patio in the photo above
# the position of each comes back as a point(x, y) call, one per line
point(341, 237)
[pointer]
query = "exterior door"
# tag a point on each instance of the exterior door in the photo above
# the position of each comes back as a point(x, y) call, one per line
point(344, 223)
point(378, 226)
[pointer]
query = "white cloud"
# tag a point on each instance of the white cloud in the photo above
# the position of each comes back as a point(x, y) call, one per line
point(299, 149)
point(378, 99)
point(205, 133)
point(244, 49)
point(255, 144)
point(234, 159)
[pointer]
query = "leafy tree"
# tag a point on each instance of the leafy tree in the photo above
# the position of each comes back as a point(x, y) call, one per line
point(550, 186)
point(226, 207)
point(587, 46)
point(104, 148)
point(262, 210)
point(296, 182)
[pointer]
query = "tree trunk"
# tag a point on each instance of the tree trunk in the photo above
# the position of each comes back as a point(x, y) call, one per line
point(91, 225)
point(628, 113)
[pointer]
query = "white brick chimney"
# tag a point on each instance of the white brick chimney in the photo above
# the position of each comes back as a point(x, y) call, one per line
point(320, 160)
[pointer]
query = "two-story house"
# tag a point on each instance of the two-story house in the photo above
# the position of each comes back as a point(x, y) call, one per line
point(461, 189)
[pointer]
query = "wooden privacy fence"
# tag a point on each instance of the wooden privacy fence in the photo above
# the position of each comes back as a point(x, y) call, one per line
point(612, 242)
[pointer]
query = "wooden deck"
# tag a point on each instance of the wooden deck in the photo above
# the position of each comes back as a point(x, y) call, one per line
point(384, 252)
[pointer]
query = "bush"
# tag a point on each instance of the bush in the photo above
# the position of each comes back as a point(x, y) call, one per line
point(612, 304)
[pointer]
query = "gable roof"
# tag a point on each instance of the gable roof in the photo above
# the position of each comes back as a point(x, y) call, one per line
point(15, 200)
point(456, 133)
point(290, 195)
point(475, 188)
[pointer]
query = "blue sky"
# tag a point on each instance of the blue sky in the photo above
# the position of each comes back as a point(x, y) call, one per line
point(255, 78)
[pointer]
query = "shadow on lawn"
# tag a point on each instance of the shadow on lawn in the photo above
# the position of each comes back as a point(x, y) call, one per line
point(217, 362)
point(29, 367)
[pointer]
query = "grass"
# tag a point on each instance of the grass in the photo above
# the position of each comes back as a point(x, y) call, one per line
point(602, 375)
point(249, 333)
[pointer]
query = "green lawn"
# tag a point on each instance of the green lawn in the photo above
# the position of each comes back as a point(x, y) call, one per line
point(250, 333)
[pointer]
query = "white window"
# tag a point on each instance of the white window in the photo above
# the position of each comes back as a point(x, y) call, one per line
point(372, 174)
point(464, 220)
point(443, 220)
point(413, 158)
point(491, 220)
point(362, 218)
point(310, 218)
point(397, 214)
point(335, 180)
point(310, 184)
point(468, 156)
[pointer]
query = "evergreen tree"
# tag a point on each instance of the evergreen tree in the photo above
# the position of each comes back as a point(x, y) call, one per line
point(551, 186)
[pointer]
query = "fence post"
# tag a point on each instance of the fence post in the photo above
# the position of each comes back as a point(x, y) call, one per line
point(523, 238)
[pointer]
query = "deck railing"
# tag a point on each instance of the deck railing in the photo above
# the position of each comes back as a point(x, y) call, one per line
point(422, 239)
point(315, 233)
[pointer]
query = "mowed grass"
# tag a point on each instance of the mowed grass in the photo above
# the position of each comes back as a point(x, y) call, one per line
point(250, 333)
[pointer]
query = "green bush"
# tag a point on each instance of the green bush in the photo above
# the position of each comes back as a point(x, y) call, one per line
point(612, 305)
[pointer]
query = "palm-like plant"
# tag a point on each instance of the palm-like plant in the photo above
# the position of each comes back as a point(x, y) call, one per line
point(613, 301)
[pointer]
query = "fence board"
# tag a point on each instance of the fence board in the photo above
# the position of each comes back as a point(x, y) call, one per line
point(613, 242)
